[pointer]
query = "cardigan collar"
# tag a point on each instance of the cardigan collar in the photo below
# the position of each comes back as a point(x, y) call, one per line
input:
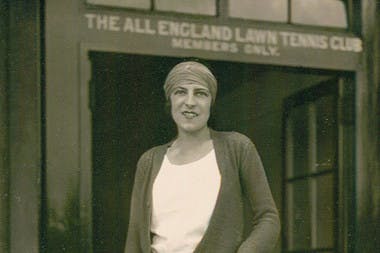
point(159, 156)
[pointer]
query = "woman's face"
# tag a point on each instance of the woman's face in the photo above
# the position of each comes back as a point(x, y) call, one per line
point(190, 107)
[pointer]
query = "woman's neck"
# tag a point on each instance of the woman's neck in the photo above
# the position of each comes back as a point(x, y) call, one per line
point(189, 147)
point(193, 138)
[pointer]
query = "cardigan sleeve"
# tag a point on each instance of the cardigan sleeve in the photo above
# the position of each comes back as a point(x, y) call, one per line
point(266, 223)
point(133, 242)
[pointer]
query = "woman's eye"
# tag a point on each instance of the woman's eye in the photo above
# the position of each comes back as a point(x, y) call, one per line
point(202, 94)
point(179, 92)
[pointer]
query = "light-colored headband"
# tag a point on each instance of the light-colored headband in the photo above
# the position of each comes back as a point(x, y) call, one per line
point(190, 72)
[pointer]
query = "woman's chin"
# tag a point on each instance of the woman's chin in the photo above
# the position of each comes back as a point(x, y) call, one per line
point(191, 129)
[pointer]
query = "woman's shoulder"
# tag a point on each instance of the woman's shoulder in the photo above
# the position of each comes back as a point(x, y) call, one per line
point(147, 155)
point(144, 163)
point(232, 137)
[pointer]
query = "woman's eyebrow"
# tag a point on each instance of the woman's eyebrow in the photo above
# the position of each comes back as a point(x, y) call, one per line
point(202, 89)
point(180, 87)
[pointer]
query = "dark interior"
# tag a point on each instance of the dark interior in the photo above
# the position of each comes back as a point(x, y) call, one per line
point(129, 117)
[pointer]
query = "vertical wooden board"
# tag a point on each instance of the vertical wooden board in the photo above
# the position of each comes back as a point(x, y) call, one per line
point(24, 126)
point(62, 126)
point(4, 211)
point(367, 139)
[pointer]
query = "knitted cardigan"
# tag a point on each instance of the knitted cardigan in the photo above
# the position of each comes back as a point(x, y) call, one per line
point(243, 183)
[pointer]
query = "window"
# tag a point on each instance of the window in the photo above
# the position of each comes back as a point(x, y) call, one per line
point(199, 7)
point(330, 13)
point(311, 168)
point(327, 13)
point(266, 10)
point(138, 4)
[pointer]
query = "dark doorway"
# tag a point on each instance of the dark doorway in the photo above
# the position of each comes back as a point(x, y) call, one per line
point(129, 117)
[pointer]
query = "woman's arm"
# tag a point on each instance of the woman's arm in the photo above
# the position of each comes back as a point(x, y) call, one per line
point(266, 222)
point(133, 242)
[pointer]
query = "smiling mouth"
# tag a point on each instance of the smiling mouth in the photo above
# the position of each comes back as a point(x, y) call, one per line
point(189, 114)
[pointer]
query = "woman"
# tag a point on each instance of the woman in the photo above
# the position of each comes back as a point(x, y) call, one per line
point(189, 195)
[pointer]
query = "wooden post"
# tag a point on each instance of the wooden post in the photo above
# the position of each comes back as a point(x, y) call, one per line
point(368, 169)
point(24, 126)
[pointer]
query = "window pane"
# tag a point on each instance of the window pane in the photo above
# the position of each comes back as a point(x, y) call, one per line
point(202, 7)
point(330, 13)
point(299, 235)
point(325, 211)
point(266, 10)
point(300, 136)
point(326, 132)
point(140, 4)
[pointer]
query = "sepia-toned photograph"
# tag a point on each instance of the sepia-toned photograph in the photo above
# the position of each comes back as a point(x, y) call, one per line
point(204, 126)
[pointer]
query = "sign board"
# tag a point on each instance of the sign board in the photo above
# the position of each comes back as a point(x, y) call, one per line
point(232, 41)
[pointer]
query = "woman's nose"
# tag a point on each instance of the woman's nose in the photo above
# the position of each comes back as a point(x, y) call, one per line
point(190, 101)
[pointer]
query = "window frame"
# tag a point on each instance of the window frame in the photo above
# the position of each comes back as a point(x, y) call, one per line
point(301, 98)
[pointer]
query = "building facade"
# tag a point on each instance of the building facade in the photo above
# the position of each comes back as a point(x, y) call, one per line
point(81, 98)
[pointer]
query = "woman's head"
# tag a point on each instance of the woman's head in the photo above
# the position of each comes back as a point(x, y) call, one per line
point(190, 72)
point(190, 89)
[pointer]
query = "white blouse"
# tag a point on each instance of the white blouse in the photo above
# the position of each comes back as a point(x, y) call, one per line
point(184, 198)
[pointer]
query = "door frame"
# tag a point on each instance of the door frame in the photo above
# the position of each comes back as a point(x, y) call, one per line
point(346, 144)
